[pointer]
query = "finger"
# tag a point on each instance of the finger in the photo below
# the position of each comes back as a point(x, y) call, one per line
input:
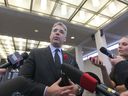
point(72, 95)
point(71, 82)
point(66, 87)
point(58, 81)
point(65, 92)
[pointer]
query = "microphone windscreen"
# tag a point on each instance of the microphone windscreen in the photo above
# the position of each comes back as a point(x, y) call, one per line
point(83, 79)
point(94, 76)
point(24, 55)
point(73, 73)
point(88, 82)
point(12, 86)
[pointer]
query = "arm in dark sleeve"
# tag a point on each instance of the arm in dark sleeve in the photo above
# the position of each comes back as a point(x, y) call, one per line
point(27, 70)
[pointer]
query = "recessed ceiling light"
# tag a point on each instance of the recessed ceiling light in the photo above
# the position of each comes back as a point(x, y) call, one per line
point(36, 30)
point(72, 37)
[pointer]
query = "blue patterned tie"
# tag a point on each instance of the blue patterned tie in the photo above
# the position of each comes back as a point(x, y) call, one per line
point(57, 57)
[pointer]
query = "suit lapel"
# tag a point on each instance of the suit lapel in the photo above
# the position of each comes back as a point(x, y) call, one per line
point(51, 62)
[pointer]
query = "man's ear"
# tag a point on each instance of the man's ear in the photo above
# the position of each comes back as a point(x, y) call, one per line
point(65, 39)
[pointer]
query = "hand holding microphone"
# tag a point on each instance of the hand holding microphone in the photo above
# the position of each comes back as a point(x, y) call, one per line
point(96, 61)
point(114, 59)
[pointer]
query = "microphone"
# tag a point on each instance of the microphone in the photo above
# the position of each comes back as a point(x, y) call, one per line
point(83, 79)
point(126, 83)
point(102, 87)
point(88, 81)
point(15, 60)
point(20, 86)
point(106, 52)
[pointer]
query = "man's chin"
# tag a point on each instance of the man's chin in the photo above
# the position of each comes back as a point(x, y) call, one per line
point(56, 44)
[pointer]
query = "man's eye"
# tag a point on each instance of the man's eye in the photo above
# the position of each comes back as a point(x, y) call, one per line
point(61, 31)
point(55, 30)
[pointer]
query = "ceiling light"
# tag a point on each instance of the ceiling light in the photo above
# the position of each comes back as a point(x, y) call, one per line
point(97, 20)
point(72, 37)
point(18, 2)
point(36, 30)
point(95, 3)
point(112, 7)
point(43, 4)
point(63, 10)
point(82, 15)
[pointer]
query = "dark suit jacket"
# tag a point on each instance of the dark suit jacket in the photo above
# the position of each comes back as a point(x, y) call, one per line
point(41, 68)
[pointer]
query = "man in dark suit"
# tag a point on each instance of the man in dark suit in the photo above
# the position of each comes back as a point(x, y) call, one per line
point(42, 67)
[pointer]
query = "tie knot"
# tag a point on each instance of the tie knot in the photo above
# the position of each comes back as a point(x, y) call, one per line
point(57, 50)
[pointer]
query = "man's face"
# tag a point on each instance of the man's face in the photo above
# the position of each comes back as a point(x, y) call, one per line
point(58, 36)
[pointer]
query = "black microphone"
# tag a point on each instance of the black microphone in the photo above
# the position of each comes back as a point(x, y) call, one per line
point(15, 60)
point(88, 81)
point(126, 83)
point(106, 52)
point(20, 86)
point(83, 79)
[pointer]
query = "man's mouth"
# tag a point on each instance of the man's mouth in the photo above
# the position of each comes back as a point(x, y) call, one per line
point(56, 38)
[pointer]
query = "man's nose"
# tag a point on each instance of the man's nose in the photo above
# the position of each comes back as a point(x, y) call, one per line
point(57, 33)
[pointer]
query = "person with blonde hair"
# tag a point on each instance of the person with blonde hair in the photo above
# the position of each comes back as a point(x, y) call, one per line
point(119, 72)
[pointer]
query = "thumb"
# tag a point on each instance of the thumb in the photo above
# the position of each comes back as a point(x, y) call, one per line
point(58, 81)
point(71, 82)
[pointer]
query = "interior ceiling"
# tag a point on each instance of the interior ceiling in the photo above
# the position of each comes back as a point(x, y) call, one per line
point(21, 24)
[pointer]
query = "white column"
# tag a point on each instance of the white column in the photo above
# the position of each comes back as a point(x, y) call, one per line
point(101, 42)
point(79, 57)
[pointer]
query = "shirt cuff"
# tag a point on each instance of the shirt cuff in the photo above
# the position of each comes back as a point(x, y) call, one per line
point(45, 91)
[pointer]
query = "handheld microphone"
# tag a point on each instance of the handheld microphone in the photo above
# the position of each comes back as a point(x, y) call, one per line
point(15, 60)
point(83, 79)
point(106, 52)
point(88, 81)
point(20, 86)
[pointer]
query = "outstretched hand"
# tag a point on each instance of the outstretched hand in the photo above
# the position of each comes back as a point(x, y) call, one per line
point(96, 61)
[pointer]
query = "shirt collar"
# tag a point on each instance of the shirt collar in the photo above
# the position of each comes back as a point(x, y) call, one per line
point(53, 48)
